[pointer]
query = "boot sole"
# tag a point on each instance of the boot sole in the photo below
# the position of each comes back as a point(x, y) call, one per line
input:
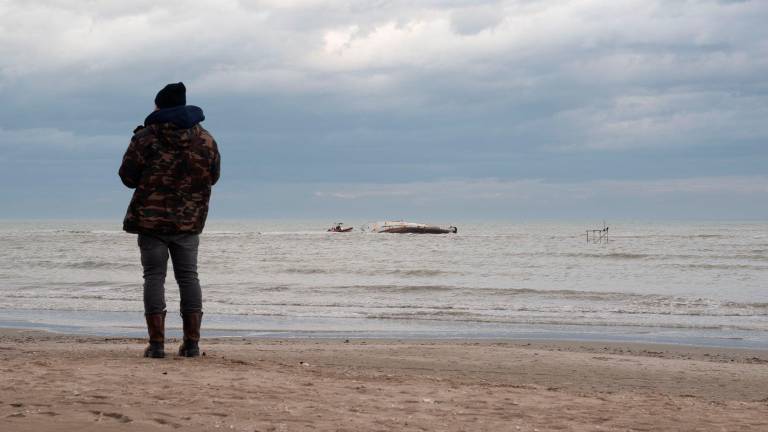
point(189, 353)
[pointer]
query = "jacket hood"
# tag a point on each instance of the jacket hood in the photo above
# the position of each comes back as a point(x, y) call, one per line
point(183, 117)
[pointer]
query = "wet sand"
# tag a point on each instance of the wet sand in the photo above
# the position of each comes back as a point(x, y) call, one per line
point(61, 382)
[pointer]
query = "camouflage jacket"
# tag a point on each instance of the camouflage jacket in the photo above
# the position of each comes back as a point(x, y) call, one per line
point(172, 162)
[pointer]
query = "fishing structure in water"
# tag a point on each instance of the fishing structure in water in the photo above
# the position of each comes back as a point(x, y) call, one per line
point(599, 236)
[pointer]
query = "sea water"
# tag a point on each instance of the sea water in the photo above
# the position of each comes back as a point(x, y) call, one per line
point(672, 281)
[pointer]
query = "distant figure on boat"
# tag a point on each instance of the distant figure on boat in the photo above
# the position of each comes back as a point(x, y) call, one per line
point(339, 228)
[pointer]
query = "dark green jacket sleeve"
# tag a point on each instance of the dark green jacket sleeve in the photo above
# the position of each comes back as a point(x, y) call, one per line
point(215, 164)
point(133, 164)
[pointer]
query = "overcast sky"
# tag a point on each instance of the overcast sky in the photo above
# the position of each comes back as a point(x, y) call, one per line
point(378, 109)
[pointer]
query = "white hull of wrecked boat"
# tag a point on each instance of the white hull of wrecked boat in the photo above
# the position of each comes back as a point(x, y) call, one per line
point(401, 227)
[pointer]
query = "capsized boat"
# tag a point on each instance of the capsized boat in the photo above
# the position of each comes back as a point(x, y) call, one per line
point(401, 227)
point(339, 228)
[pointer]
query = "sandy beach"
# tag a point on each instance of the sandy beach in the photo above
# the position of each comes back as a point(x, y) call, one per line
point(58, 382)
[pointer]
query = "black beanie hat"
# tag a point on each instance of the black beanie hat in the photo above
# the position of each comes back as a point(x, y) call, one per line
point(171, 95)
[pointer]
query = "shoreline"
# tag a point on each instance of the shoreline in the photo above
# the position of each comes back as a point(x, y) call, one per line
point(747, 355)
point(130, 324)
point(63, 382)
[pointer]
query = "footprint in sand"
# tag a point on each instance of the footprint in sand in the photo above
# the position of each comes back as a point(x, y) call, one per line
point(165, 422)
point(116, 416)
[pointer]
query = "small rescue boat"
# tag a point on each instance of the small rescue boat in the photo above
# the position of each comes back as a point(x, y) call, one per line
point(339, 228)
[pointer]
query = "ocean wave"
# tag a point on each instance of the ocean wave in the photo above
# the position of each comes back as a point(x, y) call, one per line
point(626, 236)
point(744, 256)
point(756, 305)
point(368, 272)
point(332, 305)
point(421, 272)
point(68, 231)
point(78, 231)
point(639, 300)
point(278, 288)
point(426, 315)
point(608, 255)
point(92, 265)
point(758, 254)
point(300, 233)
point(138, 307)
point(501, 292)
point(230, 234)
point(711, 266)
point(306, 270)
point(399, 288)
point(558, 302)
point(54, 296)
point(577, 321)
point(82, 265)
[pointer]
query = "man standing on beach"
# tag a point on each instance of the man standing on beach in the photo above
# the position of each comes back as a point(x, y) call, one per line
point(172, 162)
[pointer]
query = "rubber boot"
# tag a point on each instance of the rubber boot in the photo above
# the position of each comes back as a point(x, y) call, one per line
point(156, 330)
point(190, 347)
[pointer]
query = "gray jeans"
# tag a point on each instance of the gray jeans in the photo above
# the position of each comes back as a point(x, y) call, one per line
point(154, 259)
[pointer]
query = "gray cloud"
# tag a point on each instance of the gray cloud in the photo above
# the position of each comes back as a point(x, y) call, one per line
point(534, 189)
point(396, 92)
